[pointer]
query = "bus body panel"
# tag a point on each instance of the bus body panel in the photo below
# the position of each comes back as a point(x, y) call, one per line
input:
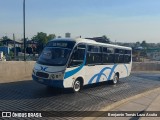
point(89, 73)
point(71, 74)
point(98, 73)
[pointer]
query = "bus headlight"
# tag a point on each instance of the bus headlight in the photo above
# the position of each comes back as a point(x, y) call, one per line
point(57, 76)
point(52, 76)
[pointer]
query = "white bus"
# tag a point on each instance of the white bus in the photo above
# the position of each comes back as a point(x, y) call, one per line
point(73, 63)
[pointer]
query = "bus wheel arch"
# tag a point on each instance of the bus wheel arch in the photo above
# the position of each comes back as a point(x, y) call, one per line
point(117, 74)
point(78, 84)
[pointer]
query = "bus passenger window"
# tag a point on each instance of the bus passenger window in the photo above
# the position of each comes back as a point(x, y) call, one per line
point(127, 56)
point(94, 55)
point(119, 56)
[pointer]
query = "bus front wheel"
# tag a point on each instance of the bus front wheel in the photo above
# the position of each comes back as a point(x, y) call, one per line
point(77, 86)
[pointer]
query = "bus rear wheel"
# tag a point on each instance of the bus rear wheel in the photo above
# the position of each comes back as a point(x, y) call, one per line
point(77, 86)
point(115, 79)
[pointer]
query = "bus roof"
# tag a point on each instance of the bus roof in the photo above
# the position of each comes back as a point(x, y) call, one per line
point(91, 42)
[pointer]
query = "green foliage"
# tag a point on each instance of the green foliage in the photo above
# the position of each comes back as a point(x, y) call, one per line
point(42, 39)
point(106, 38)
point(51, 36)
point(5, 38)
point(144, 44)
point(137, 44)
point(11, 54)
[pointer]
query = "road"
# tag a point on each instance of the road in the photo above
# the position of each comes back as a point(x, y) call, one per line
point(31, 96)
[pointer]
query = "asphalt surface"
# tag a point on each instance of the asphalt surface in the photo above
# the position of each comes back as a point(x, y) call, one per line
point(31, 96)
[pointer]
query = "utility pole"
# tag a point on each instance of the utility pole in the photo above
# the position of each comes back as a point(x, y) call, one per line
point(14, 46)
point(24, 38)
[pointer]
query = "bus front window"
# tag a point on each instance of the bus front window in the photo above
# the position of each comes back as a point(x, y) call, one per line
point(54, 56)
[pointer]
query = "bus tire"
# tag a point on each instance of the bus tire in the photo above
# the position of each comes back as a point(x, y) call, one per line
point(77, 86)
point(115, 79)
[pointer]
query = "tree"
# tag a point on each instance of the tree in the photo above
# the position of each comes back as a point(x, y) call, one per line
point(5, 38)
point(158, 44)
point(106, 39)
point(42, 39)
point(144, 44)
point(51, 36)
point(137, 44)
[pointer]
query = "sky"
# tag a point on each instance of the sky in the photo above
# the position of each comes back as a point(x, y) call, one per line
point(119, 20)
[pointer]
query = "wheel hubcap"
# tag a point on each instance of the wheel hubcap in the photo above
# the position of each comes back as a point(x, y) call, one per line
point(77, 86)
point(115, 79)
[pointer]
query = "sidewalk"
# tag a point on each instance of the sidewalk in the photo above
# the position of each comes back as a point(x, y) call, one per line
point(148, 101)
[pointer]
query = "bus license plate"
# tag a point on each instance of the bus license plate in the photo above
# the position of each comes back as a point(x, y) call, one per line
point(40, 79)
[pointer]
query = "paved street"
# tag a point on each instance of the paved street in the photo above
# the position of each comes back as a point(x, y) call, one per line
point(31, 96)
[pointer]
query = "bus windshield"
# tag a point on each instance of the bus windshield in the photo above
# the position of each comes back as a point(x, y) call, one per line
point(54, 56)
point(56, 53)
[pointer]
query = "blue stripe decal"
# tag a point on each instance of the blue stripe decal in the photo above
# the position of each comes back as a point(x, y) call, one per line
point(101, 73)
point(98, 75)
point(72, 72)
point(126, 68)
point(112, 70)
point(90, 81)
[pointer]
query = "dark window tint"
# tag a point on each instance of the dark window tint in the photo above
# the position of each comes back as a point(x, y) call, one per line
point(94, 58)
point(78, 55)
point(104, 50)
point(108, 55)
point(108, 58)
point(96, 49)
point(127, 56)
point(127, 52)
point(120, 51)
point(110, 50)
point(94, 55)
point(119, 56)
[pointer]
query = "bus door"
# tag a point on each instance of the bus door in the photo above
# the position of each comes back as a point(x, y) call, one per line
point(77, 61)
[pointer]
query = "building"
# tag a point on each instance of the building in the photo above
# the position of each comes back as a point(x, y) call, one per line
point(10, 43)
point(154, 54)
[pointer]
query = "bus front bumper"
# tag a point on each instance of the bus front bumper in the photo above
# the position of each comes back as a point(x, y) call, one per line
point(49, 82)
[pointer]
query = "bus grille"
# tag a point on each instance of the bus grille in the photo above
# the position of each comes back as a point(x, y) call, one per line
point(42, 74)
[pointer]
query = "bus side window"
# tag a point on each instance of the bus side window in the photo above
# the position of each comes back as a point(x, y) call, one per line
point(94, 55)
point(77, 57)
point(111, 56)
point(127, 56)
point(119, 56)
point(108, 55)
